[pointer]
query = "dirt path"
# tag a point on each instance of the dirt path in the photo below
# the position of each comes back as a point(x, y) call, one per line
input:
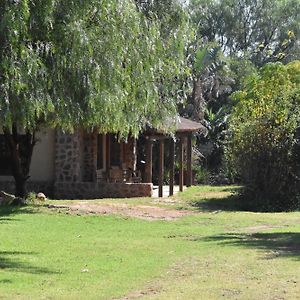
point(141, 211)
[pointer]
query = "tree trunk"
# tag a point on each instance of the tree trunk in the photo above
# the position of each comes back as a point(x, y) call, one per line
point(198, 101)
point(21, 148)
point(20, 187)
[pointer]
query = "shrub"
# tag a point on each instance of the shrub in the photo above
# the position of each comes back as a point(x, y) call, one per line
point(201, 175)
point(264, 141)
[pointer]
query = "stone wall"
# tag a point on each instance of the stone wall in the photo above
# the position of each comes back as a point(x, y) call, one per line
point(84, 190)
point(97, 190)
point(68, 157)
point(76, 157)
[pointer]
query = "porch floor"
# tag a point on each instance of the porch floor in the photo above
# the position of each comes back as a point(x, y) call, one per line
point(165, 190)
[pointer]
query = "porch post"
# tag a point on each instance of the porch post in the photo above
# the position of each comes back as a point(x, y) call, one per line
point(161, 167)
point(189, 161)
point(172, 167)
point(181, 164)
point(107, 151)
point(148, 167)
point(134, 154)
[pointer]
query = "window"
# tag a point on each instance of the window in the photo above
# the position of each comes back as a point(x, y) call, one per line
point(114, 151)
point(100, 163)
point(5, 159)
point(108, 151)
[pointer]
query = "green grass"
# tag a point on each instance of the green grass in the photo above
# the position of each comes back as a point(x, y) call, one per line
point(219, 252)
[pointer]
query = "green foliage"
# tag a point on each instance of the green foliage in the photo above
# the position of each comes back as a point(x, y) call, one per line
point(214, 140)
point(210, 74)
point(262, 31)
point(23, 76)
point(265, 146)
point(216, 123)
point(201, 175)
point(94, 64)
point(206, 58)
point(31, 198)
point(240, 70)
point(248, 35)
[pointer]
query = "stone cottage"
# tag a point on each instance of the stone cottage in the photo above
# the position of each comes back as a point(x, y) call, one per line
point(88, 165)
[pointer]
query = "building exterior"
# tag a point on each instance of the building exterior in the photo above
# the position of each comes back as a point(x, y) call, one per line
point(88, 165)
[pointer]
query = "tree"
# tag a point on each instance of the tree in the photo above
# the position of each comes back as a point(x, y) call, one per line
point(262, 31)
point(264, 146)
point(233, 38)
point(24, 95)
point(210, 79)
point(91, 64)
point(216, 124)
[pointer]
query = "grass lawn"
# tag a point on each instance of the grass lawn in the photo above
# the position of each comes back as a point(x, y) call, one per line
point(217, 252)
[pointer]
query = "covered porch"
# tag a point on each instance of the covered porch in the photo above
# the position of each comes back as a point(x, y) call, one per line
point(172, 150)
point(136, 161)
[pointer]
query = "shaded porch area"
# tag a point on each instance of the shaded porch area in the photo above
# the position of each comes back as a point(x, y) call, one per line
point(156, 158)
point(171, 151)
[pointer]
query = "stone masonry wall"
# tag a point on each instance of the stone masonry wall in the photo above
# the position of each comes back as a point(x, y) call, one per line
point(84, 190)
point(68, 157)
point(76, 157)
point(97, 190)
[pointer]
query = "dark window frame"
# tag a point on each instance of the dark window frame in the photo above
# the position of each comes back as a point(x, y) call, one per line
point(5, 158)
point(115, 151)
point(100, 161)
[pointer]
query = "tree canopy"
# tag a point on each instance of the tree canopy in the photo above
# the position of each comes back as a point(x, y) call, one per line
point(262, 31)
point(96, 64)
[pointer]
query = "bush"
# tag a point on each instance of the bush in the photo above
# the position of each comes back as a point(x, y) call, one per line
point(201, 175)
point(31, 198)
point(264, 141)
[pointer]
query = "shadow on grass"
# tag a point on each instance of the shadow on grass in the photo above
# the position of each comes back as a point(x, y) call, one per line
point(6, 281)
point(278, 244)
point(9, 261)
point(233, 200)
point(7, 212)
point(228, 203)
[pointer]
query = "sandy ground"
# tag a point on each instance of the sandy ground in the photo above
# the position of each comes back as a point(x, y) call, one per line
point(140, 211)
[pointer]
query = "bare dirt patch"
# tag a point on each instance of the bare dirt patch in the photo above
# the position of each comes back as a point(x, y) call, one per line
point(259, 228)
point(140, 211)
point(181, 271)
point(151, 291)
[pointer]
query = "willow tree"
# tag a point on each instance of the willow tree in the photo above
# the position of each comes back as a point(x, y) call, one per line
point(89, 64)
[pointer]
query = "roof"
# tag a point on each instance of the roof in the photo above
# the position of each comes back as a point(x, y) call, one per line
point(186, 125)
point(181, 125)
